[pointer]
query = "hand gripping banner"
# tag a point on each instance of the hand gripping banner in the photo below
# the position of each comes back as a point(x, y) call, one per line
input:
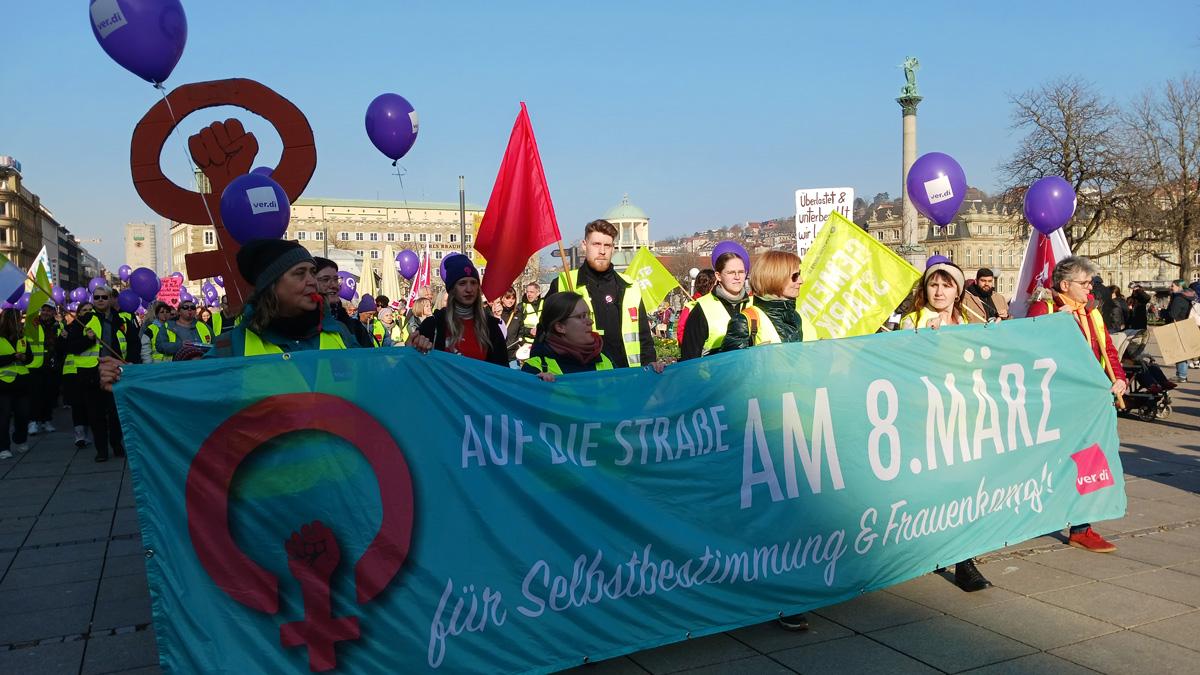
point(380, 511)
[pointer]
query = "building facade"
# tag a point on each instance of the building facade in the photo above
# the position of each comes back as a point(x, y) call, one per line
point(351, 230)
point(141, 246)
point(27, 225)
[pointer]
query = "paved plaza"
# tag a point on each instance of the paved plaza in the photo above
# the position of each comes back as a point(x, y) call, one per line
point(73, 594)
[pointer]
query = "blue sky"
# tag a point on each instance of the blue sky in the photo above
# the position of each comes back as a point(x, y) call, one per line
point(706, 113)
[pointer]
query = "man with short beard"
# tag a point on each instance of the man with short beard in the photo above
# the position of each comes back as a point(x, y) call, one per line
point(982, 302)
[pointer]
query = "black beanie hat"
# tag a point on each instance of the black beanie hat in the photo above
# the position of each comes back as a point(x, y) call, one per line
point(262, 261)
point(458, 266)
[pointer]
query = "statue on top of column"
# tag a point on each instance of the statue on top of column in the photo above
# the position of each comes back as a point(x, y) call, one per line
point(910, 66)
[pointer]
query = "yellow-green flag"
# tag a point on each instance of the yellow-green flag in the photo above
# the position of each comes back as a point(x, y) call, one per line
point(38, 296)
point(650, 275)
point(852, 283)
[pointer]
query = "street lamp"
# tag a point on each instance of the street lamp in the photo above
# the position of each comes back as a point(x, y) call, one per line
point(693, 273)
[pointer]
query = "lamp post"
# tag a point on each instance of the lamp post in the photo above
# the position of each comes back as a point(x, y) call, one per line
point(693, 273)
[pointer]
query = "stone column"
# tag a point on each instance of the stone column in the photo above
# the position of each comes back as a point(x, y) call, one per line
point(913, 251)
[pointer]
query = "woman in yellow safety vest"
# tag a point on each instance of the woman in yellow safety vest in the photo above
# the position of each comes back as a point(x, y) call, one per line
point(14, 384)
point(709, 318)
point(565, 342)
point(71, 387)
point(773, 317)
point(938, 299)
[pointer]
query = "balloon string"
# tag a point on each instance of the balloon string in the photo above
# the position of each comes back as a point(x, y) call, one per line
point(400, 171)
point(187, 157)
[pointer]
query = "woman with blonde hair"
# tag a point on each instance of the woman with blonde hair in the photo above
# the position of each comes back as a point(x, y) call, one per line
point(773, 317)
point(464, 326)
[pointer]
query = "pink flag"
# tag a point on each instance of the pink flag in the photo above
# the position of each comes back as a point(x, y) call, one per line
point(422, 278)
point(1037, 267)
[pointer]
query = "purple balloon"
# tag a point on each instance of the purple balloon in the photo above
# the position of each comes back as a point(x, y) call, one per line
point(95, 283)
point(209, 291)
point(1049, 203)
point(392, 125)
point(145, 37)
point(79, 294)
point(23, 303)
point(128, 301)
point(123, 272)
point(935, 259)
point(254, 206)
point(58, 295)
point(936, 186)
point(263, 171)
point(347, 286)
point(220, 280)
point(72, 306)
point(186, 296)
point(731, 247)
point(145, 283)
point(408, 263)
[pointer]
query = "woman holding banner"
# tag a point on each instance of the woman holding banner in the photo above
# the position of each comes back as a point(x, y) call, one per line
point(938, 302)
point(773, 317)
point(708, 320)
point(566, 342)
point(464, 326)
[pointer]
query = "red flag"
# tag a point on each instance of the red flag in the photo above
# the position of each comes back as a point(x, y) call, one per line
point(519, 220)
point(1043, 264)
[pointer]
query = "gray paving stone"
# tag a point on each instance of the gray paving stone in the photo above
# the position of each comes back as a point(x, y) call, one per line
point(770, 637)
point(52, 555)
point(1025, 577)
point(120, 652)
point(62, 535)
point(754, 665)
point(1113, 604)
point(1130, 652)
point(51, 575)
point(76, 519)
point(1034, 664)
point(121, 547)
point(35, 470)
point(123, 587)
point(1091, 565)
point(117, 612)
point(848, 656)
point(951, 644)
point(939, 592)
point(1038, 624)
point(1144, 513)
point(12, 508)
point(17, 525)
point(1164, 583)
point(621, 665)
point(125, 522)
point(121, 565)
point(1153, 549)
point(45, 623)
point(47, 597)
point(876, 610)
point(1182, 630)
point(705, 651)
point(1192, 568)
point(49, 659)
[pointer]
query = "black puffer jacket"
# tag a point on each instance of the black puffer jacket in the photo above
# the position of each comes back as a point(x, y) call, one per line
point(783, 315)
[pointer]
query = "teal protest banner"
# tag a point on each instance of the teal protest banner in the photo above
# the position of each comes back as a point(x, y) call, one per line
point(381, 511)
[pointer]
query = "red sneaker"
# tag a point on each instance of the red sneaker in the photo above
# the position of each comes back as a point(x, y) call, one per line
point(1088, 540)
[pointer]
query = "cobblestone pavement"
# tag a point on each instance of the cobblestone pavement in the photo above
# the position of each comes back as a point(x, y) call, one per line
point(73, 594)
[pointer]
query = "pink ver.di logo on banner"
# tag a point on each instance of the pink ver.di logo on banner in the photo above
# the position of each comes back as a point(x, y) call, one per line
point(1092, 470)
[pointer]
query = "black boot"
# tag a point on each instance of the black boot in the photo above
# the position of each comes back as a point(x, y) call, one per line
point(796, 622)
point(968, 577)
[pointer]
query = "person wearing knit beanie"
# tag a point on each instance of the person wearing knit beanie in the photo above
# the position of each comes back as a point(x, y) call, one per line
point(263, 261)
point(938, 298)
point(463, 327)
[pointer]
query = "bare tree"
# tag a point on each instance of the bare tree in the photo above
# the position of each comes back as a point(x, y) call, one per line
point(1073, 132)
point(1163, 129)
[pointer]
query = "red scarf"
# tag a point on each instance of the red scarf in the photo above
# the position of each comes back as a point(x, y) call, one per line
point(584, 355)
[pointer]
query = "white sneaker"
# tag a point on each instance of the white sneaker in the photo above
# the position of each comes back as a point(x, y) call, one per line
point(33, 428)
point(48, 428)
point(5, 454)
point(21, 447)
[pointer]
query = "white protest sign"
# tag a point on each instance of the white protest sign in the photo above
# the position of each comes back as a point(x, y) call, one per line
point(813, 208)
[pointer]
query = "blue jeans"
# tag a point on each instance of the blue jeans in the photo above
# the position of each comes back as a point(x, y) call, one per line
point(1181, 370)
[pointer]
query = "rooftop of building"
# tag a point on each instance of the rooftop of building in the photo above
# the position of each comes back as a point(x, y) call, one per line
point(626, 211)
point(383, 204)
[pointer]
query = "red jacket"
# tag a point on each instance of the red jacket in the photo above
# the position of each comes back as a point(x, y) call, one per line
point(1110, 353)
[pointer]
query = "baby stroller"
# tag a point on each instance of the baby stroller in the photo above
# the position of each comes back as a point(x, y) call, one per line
point(1148, 397)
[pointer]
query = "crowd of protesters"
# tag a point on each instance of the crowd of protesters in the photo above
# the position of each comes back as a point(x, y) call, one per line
point(592, 318)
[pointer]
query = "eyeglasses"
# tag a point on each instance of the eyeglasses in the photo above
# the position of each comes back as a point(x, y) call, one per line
point(585, 316)
point(734, 273)
point(1087, 283)
point(187, 307)
point(99, 297)
point(327, 279)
